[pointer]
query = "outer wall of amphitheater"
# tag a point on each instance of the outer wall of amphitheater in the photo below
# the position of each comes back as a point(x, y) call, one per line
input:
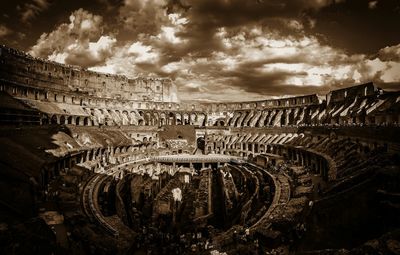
point(98, 163)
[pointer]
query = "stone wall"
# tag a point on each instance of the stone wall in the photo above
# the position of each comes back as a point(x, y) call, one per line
point(75, 96)
point(22, 68)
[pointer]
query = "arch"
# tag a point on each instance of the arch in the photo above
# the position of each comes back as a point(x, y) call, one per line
point(192, 118)
point(163, 119)
point(45, 119)
point(78, 121)
point(126, 120)
point(236, 122)
point(291, 117)
point(220, 123)
point(201, 144)
point(117, 150)
point(283, 118)
point(185, 119)
point(201, 119)
point(156, 119)
point(69, 120)
point(63, 120)
point(133, 118)
point(54, 120)
point(261, 148)
point(171, 119)
point(86, 121)
point(142, 120)
point(178, 119)
point(148, 119)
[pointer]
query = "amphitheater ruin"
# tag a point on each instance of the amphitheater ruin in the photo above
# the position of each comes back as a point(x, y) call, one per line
point(95, 163)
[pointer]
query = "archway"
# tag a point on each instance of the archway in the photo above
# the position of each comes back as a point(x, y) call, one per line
point(54, 119)
point(62, 120)
point(201, 144)
point(86, 121)
point(69, 120)
point(45, 120)
point(171, 119)
point(220, 123)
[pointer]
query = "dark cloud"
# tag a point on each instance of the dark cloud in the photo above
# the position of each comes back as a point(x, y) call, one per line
point(217, 13)
point(262, 83)
point(138, 17)
point(358, 28)
point(247, 49)
point(4, 31)
point(32, 9)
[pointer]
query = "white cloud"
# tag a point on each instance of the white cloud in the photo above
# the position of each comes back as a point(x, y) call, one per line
point(58, 57)
point(86, 24)
point(250, 61)
point(177, 20)
point(168, 34)
point(143, 53)
point(81, 42)
point(173, 67)
point(103, 45)
point(305, 61)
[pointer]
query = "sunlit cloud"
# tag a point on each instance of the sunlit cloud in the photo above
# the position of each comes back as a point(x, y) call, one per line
point(255, 55)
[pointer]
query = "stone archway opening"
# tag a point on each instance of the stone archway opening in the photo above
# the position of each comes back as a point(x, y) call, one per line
point(201, 144)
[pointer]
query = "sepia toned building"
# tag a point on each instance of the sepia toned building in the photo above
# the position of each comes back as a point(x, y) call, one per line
point(110, 154)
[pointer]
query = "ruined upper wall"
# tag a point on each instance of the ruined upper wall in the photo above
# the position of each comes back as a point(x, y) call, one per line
point(362, 90)
point(270, 103)
point(24, 70)
point(21, 68)
point(26, 76)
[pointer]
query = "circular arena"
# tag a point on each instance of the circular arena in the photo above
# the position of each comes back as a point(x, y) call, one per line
point(96, 163)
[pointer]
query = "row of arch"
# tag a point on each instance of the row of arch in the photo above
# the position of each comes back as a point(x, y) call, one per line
point(27, 91)
point(67, 120)
point(248, 143)
point(274, 117)
point(43, 94)
point(122, 154)
point(156, 118)
point(115, 117)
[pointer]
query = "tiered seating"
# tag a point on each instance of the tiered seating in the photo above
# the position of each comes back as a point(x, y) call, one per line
point(134, 147)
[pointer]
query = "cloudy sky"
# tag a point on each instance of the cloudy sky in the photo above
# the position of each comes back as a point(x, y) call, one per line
point(228, 50)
